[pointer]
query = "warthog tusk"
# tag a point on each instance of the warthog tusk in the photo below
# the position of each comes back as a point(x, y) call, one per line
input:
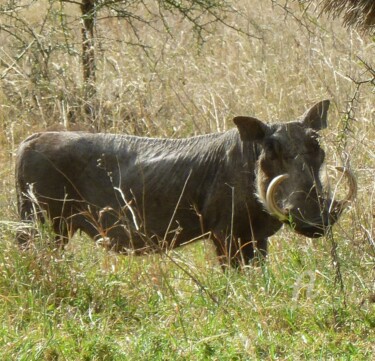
point(271, 204)
point(352, 192)
point(282, 215)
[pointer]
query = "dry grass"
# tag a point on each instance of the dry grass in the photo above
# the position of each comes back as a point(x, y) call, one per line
point(180, 87)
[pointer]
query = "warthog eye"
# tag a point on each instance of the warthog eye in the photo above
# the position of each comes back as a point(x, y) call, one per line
point(272, 148)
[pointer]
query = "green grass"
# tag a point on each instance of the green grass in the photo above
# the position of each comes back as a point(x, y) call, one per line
point(88, 304)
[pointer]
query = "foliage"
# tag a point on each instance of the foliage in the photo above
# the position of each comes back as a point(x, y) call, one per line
point(86, 304)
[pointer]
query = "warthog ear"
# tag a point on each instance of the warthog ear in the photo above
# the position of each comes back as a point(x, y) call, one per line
point(316, 116)
point(250, 128)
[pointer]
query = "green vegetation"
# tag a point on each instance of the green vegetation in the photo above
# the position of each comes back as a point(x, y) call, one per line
point(312, 299)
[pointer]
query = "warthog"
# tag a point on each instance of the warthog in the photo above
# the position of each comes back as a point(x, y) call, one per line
point(138, 194)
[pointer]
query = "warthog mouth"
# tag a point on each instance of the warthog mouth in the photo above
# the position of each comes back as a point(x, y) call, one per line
point(329, 214)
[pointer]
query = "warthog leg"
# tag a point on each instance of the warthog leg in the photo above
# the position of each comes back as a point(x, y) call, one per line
point(236, 253)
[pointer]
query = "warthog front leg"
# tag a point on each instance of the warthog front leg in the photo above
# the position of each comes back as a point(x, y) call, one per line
point(236, 253)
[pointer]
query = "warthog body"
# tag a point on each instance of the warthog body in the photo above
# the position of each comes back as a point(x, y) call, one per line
point(139, 194)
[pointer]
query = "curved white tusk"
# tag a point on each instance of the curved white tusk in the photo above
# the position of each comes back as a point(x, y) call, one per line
point(271, 204)
point(352, 192)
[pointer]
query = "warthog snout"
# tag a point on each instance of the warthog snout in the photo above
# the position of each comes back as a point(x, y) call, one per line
point(326, 210)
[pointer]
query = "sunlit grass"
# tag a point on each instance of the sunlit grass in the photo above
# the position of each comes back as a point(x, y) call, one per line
point(86, 303)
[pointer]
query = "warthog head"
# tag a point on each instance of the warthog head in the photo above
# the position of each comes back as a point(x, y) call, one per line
point(289, 168)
